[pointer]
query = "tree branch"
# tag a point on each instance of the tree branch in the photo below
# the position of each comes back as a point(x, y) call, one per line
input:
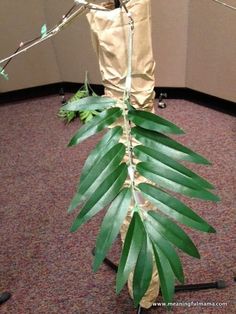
point(66, 19)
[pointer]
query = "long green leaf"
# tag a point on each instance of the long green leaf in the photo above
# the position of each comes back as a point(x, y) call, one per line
point(166, 145)
point(143, 271)
point(103, 195)
point(170, 231)
point(167, 249)
point(166, 275)
point(90, 103)
point(151, 121)
point(75, 202)
point(97, 124)
point(107, 142)
point(104, 145)
point(148, 154)
point(171, 180)
point(111, 224)
point(174, 208)
point(97, 174)
point(130, 251)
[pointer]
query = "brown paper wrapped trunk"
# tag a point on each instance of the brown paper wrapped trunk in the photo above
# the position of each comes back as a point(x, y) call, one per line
point(110, 33)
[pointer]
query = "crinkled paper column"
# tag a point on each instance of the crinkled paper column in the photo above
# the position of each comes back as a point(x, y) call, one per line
point(110, 31)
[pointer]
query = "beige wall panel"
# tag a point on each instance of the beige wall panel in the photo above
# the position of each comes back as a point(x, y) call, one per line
point(72, 50)
point(193, 41)
point(211, 63)
point(21, 21)
point(170, 24)
point(73, 45)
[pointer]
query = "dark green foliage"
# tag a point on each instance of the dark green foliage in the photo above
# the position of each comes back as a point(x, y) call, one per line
point(85, 104)
point(169, 179)
point(90, 103)
point(102, 196)
point(111, 225)
point(99, 123)
point(171, 206)
point(97, 174)
point(111, 138)
point(107, 180)
point(143, 270)
point(132, 246)
point(158, 240)
point(152, 122)
point(166, 275)
point(166, 145)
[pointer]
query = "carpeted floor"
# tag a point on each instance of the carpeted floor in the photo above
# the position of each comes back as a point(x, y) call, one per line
point(47, 269)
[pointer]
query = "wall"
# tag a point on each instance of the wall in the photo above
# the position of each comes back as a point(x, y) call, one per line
point(170, 26)
point(192, 40)
point(21, 22)
point(73, 48)
point(69, 54)
point(211, 56)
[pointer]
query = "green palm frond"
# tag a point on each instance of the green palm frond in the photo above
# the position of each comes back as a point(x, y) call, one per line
point(111, 225)
point(107, 180)
point(102, 196)
point(84, 104)
point(99, 123)
point(132, 246)
point(143, 270)
point(166, 145)
point(89, 103)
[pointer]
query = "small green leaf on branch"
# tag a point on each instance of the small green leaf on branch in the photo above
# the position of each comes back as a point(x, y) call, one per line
point(4, 74)
point(44, 31)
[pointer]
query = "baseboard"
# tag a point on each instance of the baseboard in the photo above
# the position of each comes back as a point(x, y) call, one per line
point(69, 87)
point(44, 90)
point(199, 98)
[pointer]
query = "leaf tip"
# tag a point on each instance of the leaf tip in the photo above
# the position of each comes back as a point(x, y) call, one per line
point(215, 198)
point(75, 226)
point(179, 132)
point(206, 162)
point(119, 285)
point(197, 254)
point(96, 262)
point(211, 230)
point(69, 210)
point(95, 267)
point(118, 290)
point(70, 144)
point(181, 278)
point(73, 229)
point(136, 303)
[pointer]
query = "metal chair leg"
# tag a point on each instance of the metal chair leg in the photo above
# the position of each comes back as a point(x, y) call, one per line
point(4, 297)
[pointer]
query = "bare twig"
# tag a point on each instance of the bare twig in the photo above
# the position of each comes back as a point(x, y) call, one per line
point(225, 4)
point(66, 19)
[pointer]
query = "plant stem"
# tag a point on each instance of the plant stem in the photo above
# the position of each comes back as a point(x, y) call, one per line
point(131, 165)
point(126, 100)
point(52, 32)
